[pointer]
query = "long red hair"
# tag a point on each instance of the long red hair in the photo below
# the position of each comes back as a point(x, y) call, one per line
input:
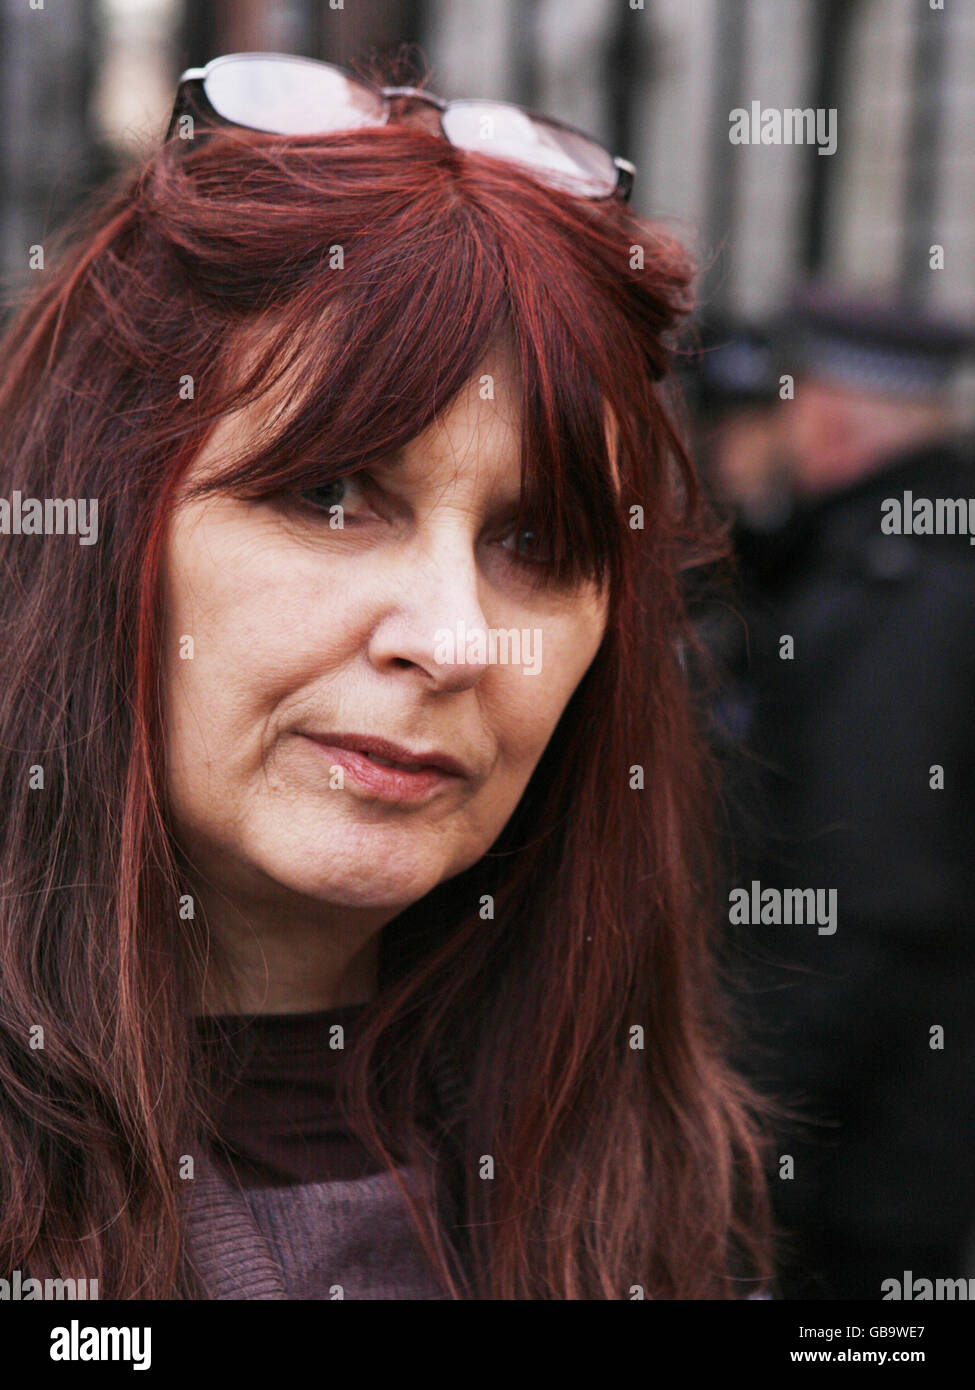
point(585, 1017)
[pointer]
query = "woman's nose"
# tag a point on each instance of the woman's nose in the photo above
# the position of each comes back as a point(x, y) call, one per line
point(434, 607)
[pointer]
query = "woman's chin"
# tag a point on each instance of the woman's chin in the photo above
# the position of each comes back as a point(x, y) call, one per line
point(351, 879)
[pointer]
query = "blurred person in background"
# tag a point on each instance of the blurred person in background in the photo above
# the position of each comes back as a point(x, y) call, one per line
point(735, 397)
point(850, 711)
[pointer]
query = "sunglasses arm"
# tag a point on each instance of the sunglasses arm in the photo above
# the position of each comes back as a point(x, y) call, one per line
point(188, 95)
point(625, 174)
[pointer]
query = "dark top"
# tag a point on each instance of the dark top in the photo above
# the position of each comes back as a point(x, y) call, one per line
point(318, 1216)
point(279, 1122)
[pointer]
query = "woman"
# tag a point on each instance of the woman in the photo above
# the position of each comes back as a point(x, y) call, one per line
point(279, 1020)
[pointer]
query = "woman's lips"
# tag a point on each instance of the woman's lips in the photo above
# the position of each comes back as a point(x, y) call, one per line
point(387, 783)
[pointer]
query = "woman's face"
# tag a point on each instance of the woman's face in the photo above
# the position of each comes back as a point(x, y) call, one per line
point(303, 632)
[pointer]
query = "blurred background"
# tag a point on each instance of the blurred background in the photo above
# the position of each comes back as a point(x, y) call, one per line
point(83, 81)
point(833, 372)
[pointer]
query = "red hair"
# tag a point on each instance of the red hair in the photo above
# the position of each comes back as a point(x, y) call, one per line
point(617, 1167)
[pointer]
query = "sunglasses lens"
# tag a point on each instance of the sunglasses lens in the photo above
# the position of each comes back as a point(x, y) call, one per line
point(289, 96)
point(562, 157)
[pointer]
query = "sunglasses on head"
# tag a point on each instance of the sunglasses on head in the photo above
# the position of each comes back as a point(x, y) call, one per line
point(287, 95)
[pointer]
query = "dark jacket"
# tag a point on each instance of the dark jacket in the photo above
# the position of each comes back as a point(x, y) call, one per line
point(831, 756)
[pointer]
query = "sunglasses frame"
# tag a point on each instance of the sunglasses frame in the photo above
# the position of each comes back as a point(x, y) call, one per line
point(192, 100)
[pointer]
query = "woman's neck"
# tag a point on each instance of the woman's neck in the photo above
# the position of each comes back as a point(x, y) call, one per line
point(292, 962)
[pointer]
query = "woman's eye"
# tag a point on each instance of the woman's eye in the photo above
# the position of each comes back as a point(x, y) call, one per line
point(532, 553)
point(324, 496)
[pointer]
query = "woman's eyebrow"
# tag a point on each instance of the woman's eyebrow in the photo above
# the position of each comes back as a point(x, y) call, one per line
point(391, 460)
